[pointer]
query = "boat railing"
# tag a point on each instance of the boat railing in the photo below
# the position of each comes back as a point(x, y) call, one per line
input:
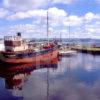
point(12, 38)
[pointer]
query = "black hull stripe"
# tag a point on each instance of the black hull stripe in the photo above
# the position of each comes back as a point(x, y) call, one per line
point(33, 54)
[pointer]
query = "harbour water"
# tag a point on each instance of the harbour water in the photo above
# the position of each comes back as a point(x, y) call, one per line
point(75, 77)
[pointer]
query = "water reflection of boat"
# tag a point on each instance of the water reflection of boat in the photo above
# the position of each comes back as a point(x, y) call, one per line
point(15, 76)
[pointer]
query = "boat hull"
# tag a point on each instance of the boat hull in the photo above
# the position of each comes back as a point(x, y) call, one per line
point(39, 58)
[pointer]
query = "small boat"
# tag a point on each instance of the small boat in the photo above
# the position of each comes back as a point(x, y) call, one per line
point(67, 52)
point(17, 51)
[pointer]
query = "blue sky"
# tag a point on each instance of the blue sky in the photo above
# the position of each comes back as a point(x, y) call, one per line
point(29, 17)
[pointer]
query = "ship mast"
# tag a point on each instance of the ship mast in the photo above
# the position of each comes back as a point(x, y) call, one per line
point(47, 29)
point(47, 68)
point(60, 38)
point(69, 32)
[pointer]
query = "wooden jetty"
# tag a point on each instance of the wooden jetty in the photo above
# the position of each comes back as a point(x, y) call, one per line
point(87, 49)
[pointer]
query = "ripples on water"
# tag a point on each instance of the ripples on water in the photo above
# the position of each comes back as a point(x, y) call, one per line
point(72, 78)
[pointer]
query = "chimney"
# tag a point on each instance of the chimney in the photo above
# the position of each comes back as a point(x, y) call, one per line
point(19, 34)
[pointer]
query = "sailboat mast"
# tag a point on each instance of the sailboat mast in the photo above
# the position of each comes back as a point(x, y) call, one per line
point(69, 32)
point(60, 38)
point(47, 28)
point(47, 68)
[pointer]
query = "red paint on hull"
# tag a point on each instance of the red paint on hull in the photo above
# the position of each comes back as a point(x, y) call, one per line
point(35, 59)
point(32, 65)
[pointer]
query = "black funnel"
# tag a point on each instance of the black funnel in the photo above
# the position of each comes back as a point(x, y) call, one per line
point(19, 34)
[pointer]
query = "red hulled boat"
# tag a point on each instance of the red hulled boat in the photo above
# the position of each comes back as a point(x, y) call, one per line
point(18, 51)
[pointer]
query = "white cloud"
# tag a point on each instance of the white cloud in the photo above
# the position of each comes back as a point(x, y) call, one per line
point(58, 20)
point(91, 16)
point(54, 13)
point(63, 1)
point(72, 20)
point(19, 15)
point(27, 28)
point(20, 5)
point(27, 14)
point(55, 19)
point(3, 13)
point(93, 29)
point(25, 5)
